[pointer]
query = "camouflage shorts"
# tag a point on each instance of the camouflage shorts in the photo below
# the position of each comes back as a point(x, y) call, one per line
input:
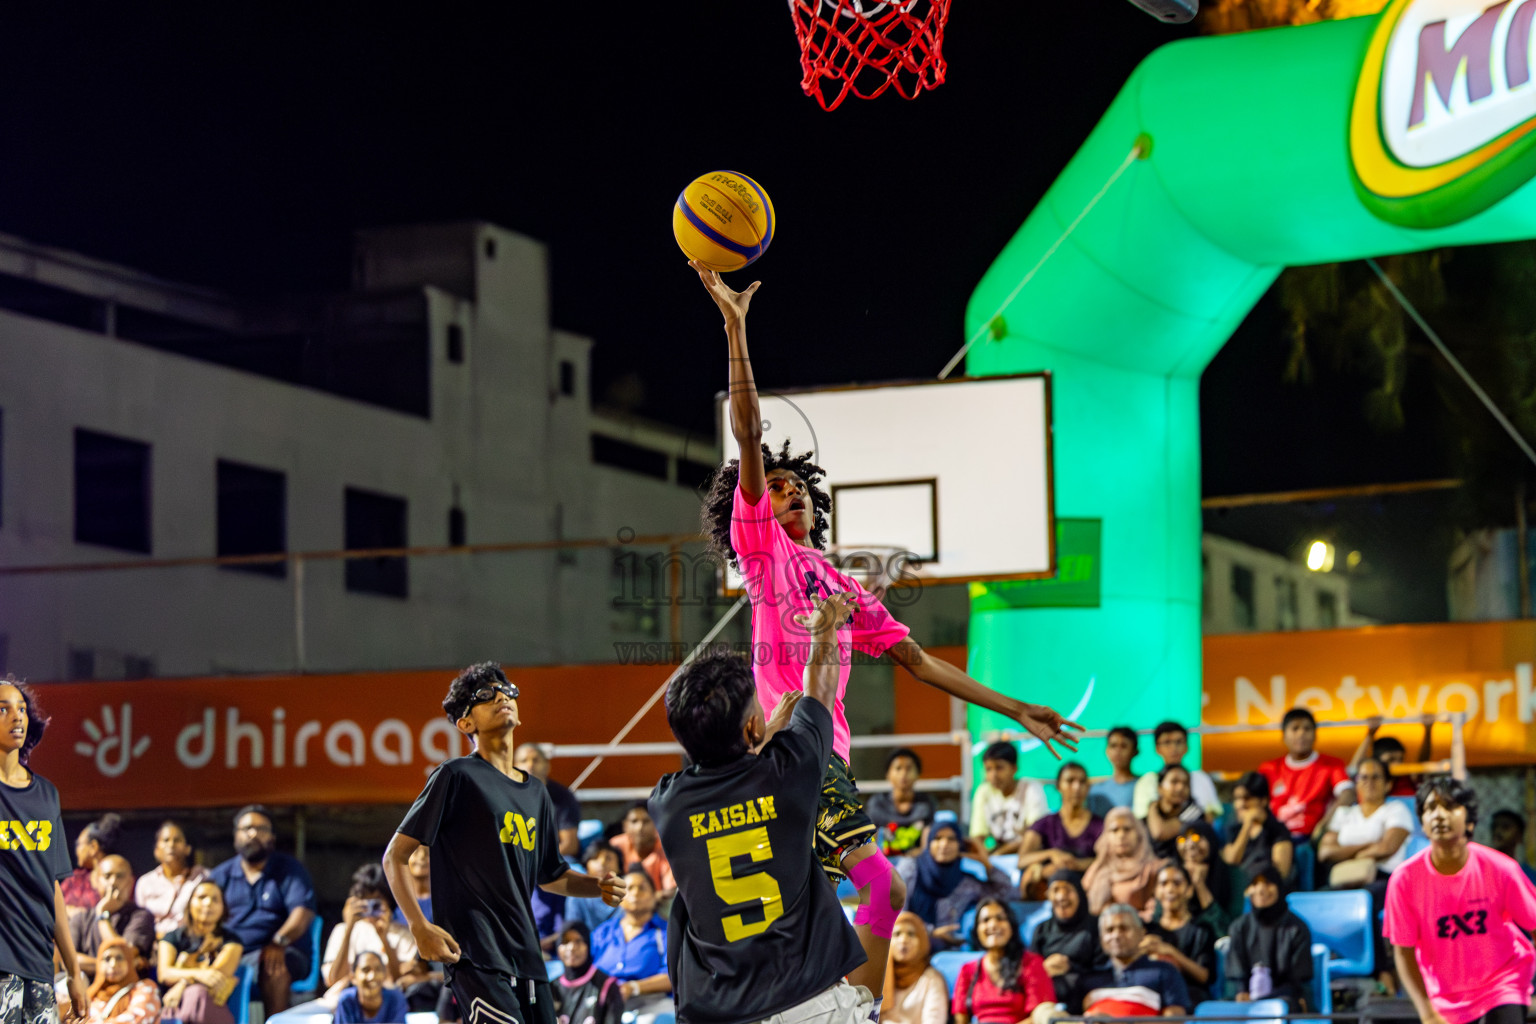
point(842, 824)
point(24, 1001)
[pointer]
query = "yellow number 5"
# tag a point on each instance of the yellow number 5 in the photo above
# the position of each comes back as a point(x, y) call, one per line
point(758, 888)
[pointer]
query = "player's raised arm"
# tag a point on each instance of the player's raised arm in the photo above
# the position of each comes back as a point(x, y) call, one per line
point(746, 417)
point(821, 668)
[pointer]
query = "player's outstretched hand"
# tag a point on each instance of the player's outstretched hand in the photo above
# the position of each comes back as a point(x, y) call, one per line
point(1048, 727)
point(785, 708)
point(732, 304)
point(435, 944)
point(830, 614)
point(613, 887)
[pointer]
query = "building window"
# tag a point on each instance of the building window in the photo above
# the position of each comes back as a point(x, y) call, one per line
point(610, 451)
point(135, 667)
point(1327, 610)
point(1287, 607)
point(567, 378)
point(80, 663)
point(2, 474)
point(694, 475)
point(252, 515)
point(375, 521)
point(490, 248)
point(455, 343)
point(112, 492)
point(456, 528)
point(1242, 597)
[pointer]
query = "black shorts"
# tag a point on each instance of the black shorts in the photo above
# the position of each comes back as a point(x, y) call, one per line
point(842, 824)
point(487, 997)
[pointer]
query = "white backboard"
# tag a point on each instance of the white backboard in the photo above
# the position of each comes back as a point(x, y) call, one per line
point(957, 472)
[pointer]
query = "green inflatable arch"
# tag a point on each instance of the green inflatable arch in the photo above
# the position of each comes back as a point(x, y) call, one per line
point(1260, 158)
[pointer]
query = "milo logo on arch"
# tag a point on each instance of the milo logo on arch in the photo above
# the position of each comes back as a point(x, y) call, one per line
point(1443, 123)
point(746, 193)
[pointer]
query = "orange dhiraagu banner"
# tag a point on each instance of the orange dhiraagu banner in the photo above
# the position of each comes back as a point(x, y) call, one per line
point(1481, 668)
point(334, 739)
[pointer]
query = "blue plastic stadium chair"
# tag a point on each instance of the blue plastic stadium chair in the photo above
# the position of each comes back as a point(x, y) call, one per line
point(1322, 991)
point(939, 817)
point(1218, 984)
point(968, 927)
point(846, 890)
point(949, 964)
point(1033, 920)
point(588, 829)
point(1413, 813)
point(1008, 864)
point(1342, 922)
point(1414, 844)
point(554, 968)
point(311, 984)
point(239, 1000)
point(849, 910)
point(1302, 875)
point(974, 868)
point(1266, 1011)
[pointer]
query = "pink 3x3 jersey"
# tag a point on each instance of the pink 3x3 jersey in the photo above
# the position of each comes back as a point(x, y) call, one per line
point(783, 580)
point(1467, 930)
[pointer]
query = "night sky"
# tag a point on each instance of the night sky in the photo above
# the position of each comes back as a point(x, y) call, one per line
point(238, 147)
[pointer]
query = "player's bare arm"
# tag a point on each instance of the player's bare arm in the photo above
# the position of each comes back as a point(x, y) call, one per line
point(821, 668)
point(580, 885)
point(746, 417)
point(1038, 720)
point(432, 942)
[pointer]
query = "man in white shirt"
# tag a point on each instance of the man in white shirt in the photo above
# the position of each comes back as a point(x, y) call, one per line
point(1172, 741)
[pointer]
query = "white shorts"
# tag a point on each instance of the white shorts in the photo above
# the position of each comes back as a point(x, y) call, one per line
point(841, 1004)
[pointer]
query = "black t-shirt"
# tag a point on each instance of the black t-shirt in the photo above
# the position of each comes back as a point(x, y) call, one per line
point(1197, 941)
point(492, 841)
point(567, 807)
point(34, 856)
point(183, 941)
point(1257, 853)
point(756, 927)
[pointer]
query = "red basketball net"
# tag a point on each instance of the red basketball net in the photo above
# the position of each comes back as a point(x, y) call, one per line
point(865, 47)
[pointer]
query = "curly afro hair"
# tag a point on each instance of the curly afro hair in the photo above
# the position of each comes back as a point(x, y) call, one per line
point(719, 502)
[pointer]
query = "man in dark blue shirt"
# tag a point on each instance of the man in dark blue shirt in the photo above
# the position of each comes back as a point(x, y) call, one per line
point(1132, 985)
point(271, 903)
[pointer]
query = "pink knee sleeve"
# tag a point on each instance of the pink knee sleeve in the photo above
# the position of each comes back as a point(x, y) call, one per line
point(874, 873)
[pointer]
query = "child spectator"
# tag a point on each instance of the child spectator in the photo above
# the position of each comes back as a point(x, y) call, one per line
point(420, 867)
point(601, 860)
point(1257, 837)
point(940, 891)
point(1271, 937)
point(368, 1000)
point(1177, 937)
point(1008, 982)
point(1212, 901)
point(1124, 871)
point(1508, 833)
point(119, 996)
point(639, 844)
point(902, 815)
point(1005, 805)
point(1172, 812)
point(1132, 984)
point(1390, 751)
point(915, 993)
point(1119, 790)
point(1305, 783)
point(1172, 741)
point(1068, 940)
point(368, 926)
point(165, 890)
point(1061, 841)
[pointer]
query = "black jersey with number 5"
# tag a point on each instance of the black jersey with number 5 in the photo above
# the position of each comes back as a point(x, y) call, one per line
point(756, 927)
point(493, 839)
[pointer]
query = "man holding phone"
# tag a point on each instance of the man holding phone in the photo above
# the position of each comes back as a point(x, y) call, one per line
point(368, 925)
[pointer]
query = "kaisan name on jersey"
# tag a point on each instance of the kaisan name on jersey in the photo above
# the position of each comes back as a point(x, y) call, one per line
point(750, 812)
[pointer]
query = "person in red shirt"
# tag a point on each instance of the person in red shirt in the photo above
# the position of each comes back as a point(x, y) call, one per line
point(1008, 982)
point(1304, 784)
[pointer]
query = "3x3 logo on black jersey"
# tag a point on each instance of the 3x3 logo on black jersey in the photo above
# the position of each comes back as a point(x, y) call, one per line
point(1453, 926)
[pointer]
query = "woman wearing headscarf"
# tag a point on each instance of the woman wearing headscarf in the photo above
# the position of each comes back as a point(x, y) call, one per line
point(584, 994)
point(915, 993)
point(1068, 940)
point(119, 995)
point(1124, 869)
point(940, 891)
point(1271, 950)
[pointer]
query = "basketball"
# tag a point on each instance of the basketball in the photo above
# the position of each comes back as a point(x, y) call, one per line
point(723, 219)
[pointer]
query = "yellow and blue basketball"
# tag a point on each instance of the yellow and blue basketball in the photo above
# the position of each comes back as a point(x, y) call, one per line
point(723, 219)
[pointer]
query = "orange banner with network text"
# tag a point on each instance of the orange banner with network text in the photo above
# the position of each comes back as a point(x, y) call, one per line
point(1481, 668)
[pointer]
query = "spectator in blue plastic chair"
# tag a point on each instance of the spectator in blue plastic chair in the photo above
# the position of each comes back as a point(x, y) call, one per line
point(1257, 837)
point(1119, 790)
point(1124, 869)
point(1068, 941)
point(197, 962)
point(584, 994)
point(1511, 835)
point(915, 993)
point(1177, 937)
point(1271, 950)
point(369, 1000)
point(1172, 742)
point(119, 995)
point(902, 815)
point(271, 903)
point(1063, 841)
point(601, 860)
point(1008, 984)
point(940, 891)
point(530, 758)
point(632, 947)
point(1004, 805)
point(1132, 984)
